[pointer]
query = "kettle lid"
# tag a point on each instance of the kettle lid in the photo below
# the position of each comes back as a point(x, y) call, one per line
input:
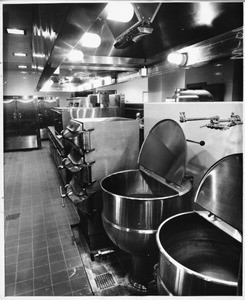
point(164, 151)
point(220, 190)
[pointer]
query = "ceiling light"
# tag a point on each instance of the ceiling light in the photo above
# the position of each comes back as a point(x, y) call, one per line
point(177, 58)
point(15, 31)
point(207, 12)
point(75, 55)
point(120, 11)
point(19, 54)
point(22, 67)
point(91, 40)
point(38, 55)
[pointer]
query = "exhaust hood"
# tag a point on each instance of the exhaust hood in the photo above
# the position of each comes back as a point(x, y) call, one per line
point(156, 29)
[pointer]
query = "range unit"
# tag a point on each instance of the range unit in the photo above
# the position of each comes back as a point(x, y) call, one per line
point(45, 114)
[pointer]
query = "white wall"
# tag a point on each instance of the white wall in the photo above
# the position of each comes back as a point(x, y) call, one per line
point(218, 143)
point(133, 90)
point(17, 83)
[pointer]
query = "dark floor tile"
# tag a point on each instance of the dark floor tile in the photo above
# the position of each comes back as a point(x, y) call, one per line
point(24, 286)
point(79, 283)
point(31, 293)
point(65, 232)
point(9, 290)
point(40, 271)
point(66, 239)
point(53, 242)
point(11, 244)
point(59, 277)
point(62, 288)
point(11, 251)
point(13, 237)
point(41, 261)
point(10, 259)
point(12, 231)
point(76, 272)
point(26, 240)
point(52, 235)
point(25, 248)
point(73, 262)
point(54, 249)
point(40, 252)
point(69, 246)
point(11, 268)
point(9, 278)
point(83, 292)
point(40, 237)
point(26, 232)
point(58, 266)
point(25, 256)
point(42, 281)
point(40, 245)
point(71, 254)
point(39, 231)
point(56, 257)
point(47, 291)
point(24, 275)
point(25, 264)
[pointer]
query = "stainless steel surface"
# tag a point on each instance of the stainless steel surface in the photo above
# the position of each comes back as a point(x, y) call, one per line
point(134, 205)
point(196, 258)
point(65, 114)
point(21, 123)
point(54, 29)
point(220, 190)
point(136, 201)
point(107, 145)
point(185, 95)
point(164, 151)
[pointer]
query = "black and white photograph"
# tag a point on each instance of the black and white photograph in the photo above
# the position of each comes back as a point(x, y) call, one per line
point(121, 149)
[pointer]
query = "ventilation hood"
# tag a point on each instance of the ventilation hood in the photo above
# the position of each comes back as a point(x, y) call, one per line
point(156, 29)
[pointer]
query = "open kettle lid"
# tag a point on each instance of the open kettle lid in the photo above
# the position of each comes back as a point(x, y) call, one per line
point(164, 151)
point(220, 190)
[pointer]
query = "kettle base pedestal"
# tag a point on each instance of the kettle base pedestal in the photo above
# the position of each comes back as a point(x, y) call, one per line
point(141, 272)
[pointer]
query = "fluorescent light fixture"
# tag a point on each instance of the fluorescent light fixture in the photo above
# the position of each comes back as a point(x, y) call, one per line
point(120, 11)
point(22, 67)
point(38, 55)
point(177, 58)
point(91, 40)
point(15, 31)
point(75, 55)
point(19, 54)
point(207, 12)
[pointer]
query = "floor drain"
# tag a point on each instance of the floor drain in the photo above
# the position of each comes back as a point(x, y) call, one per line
point(104, 281)
point(12, 217)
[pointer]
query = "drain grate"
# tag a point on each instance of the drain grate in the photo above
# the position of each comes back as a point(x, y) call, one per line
point(12, 217)
point(104, 281)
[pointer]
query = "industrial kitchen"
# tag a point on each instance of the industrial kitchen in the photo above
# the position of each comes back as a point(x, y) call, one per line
point(122, 148)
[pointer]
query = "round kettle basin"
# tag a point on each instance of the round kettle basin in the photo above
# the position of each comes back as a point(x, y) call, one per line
point(196, 258)
point(134, 205)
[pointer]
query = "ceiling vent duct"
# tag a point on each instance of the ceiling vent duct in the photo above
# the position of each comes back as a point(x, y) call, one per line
point(133, 34)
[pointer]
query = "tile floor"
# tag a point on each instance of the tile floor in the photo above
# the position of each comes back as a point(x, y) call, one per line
point(41, 257)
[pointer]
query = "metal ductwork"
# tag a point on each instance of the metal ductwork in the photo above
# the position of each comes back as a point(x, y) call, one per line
point(125, 48)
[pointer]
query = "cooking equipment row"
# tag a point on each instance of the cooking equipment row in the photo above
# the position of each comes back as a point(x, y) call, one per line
point(147, 205)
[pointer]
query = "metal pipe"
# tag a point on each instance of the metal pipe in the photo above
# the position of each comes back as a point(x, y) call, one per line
point(201, 143)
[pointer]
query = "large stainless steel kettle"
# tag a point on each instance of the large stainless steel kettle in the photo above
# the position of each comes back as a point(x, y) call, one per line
point(200, 251)
point(136, 201)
